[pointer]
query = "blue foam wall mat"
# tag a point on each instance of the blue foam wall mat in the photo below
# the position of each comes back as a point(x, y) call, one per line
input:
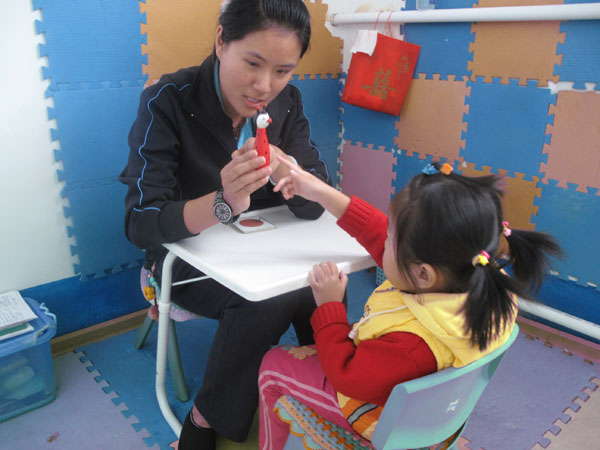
point(583, 302)
point(330, 154)
point(408, 166)
point(91, 41)
point(80, 305)
point(510, 135)
point(321, 102)
point(580, 53)
point(95, 69)
point(572, 218)
point(368, 127)
point(92, 126)
point(97, 213)
point(444, 46)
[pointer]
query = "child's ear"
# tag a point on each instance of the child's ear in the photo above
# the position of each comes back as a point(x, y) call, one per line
point(425, 275)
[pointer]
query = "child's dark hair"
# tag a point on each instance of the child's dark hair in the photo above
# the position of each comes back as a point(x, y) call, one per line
point(447, 221)
point(241, 17)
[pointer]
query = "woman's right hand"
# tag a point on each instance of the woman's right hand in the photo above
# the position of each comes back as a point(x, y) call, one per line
point(242, 176)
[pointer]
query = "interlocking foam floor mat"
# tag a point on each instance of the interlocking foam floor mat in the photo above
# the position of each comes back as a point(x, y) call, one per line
point(128, 373)
point(532, 388)
point(535, 389)
point(97, 423)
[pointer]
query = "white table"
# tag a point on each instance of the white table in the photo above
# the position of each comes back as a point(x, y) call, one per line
point(256, 266)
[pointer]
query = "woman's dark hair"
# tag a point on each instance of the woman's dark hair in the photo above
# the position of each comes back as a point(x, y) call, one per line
point(446, 221)
point(241, 17)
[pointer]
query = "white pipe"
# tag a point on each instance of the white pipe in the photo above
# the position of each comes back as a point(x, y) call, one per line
point(191, 280)
point(164, 306)
point(561, 318)
point(580, 11)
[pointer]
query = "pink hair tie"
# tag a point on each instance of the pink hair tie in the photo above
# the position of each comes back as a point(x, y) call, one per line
point(483, 259)
point(505, 230)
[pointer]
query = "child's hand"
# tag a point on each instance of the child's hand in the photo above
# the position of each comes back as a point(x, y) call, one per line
point(298, 182)
point(275, 163)
point(327, 285)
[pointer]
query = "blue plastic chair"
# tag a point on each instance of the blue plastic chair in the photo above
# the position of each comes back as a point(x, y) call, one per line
point(418, 414)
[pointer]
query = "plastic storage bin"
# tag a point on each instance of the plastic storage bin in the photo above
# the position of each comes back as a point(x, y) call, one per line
point(26, 371)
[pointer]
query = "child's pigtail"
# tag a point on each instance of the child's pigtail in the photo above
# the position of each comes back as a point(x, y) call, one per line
point(489, 305)
point(529, 256)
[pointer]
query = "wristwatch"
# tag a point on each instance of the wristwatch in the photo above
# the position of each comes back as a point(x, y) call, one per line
point(222, 210)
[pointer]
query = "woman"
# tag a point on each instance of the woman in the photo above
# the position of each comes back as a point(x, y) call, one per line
point(192, 164)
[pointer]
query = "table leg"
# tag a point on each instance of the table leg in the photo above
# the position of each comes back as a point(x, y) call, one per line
point(164, 306)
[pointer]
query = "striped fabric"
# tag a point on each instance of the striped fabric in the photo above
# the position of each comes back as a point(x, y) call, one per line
point(362, 416)
point(317, 433)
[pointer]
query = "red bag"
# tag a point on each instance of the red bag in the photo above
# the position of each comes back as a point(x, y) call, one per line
point(380, 81)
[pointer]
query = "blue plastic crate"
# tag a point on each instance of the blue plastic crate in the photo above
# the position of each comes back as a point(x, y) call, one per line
point(26, 371)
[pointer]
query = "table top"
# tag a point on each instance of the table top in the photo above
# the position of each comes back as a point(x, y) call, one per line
point(263, 264)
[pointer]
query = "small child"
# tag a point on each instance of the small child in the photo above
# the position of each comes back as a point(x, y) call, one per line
point(447, 301)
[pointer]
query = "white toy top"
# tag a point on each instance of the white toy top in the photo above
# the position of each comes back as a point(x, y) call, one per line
point(263, 120)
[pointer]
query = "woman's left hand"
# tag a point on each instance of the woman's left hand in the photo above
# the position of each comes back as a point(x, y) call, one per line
point(327, 284)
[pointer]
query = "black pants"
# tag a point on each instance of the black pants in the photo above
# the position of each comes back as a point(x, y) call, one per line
point(228, 398)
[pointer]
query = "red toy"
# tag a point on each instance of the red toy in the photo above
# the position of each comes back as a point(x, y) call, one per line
point(261, 143)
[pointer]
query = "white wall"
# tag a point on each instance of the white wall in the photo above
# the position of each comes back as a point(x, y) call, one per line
point(34, 247)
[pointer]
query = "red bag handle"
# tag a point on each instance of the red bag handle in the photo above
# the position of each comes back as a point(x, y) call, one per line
point(389, 25)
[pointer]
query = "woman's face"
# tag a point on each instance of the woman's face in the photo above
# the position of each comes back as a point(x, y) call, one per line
point(254, 69)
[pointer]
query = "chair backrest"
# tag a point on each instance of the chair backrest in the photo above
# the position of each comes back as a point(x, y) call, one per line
point(428, 410)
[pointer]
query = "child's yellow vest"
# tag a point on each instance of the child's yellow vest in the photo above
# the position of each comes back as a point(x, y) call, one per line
point(435, 317)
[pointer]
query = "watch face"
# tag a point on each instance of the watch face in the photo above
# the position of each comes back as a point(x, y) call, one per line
point(223, 212)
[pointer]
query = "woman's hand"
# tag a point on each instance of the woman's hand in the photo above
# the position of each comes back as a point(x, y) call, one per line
point(327, 284)
point(242, 176)
point(274, 153)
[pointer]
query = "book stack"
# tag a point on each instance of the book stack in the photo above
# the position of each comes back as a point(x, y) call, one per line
point(15, 315)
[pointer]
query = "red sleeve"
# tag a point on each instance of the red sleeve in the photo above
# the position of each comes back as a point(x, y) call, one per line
point(367, 224)
point(370, 371)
